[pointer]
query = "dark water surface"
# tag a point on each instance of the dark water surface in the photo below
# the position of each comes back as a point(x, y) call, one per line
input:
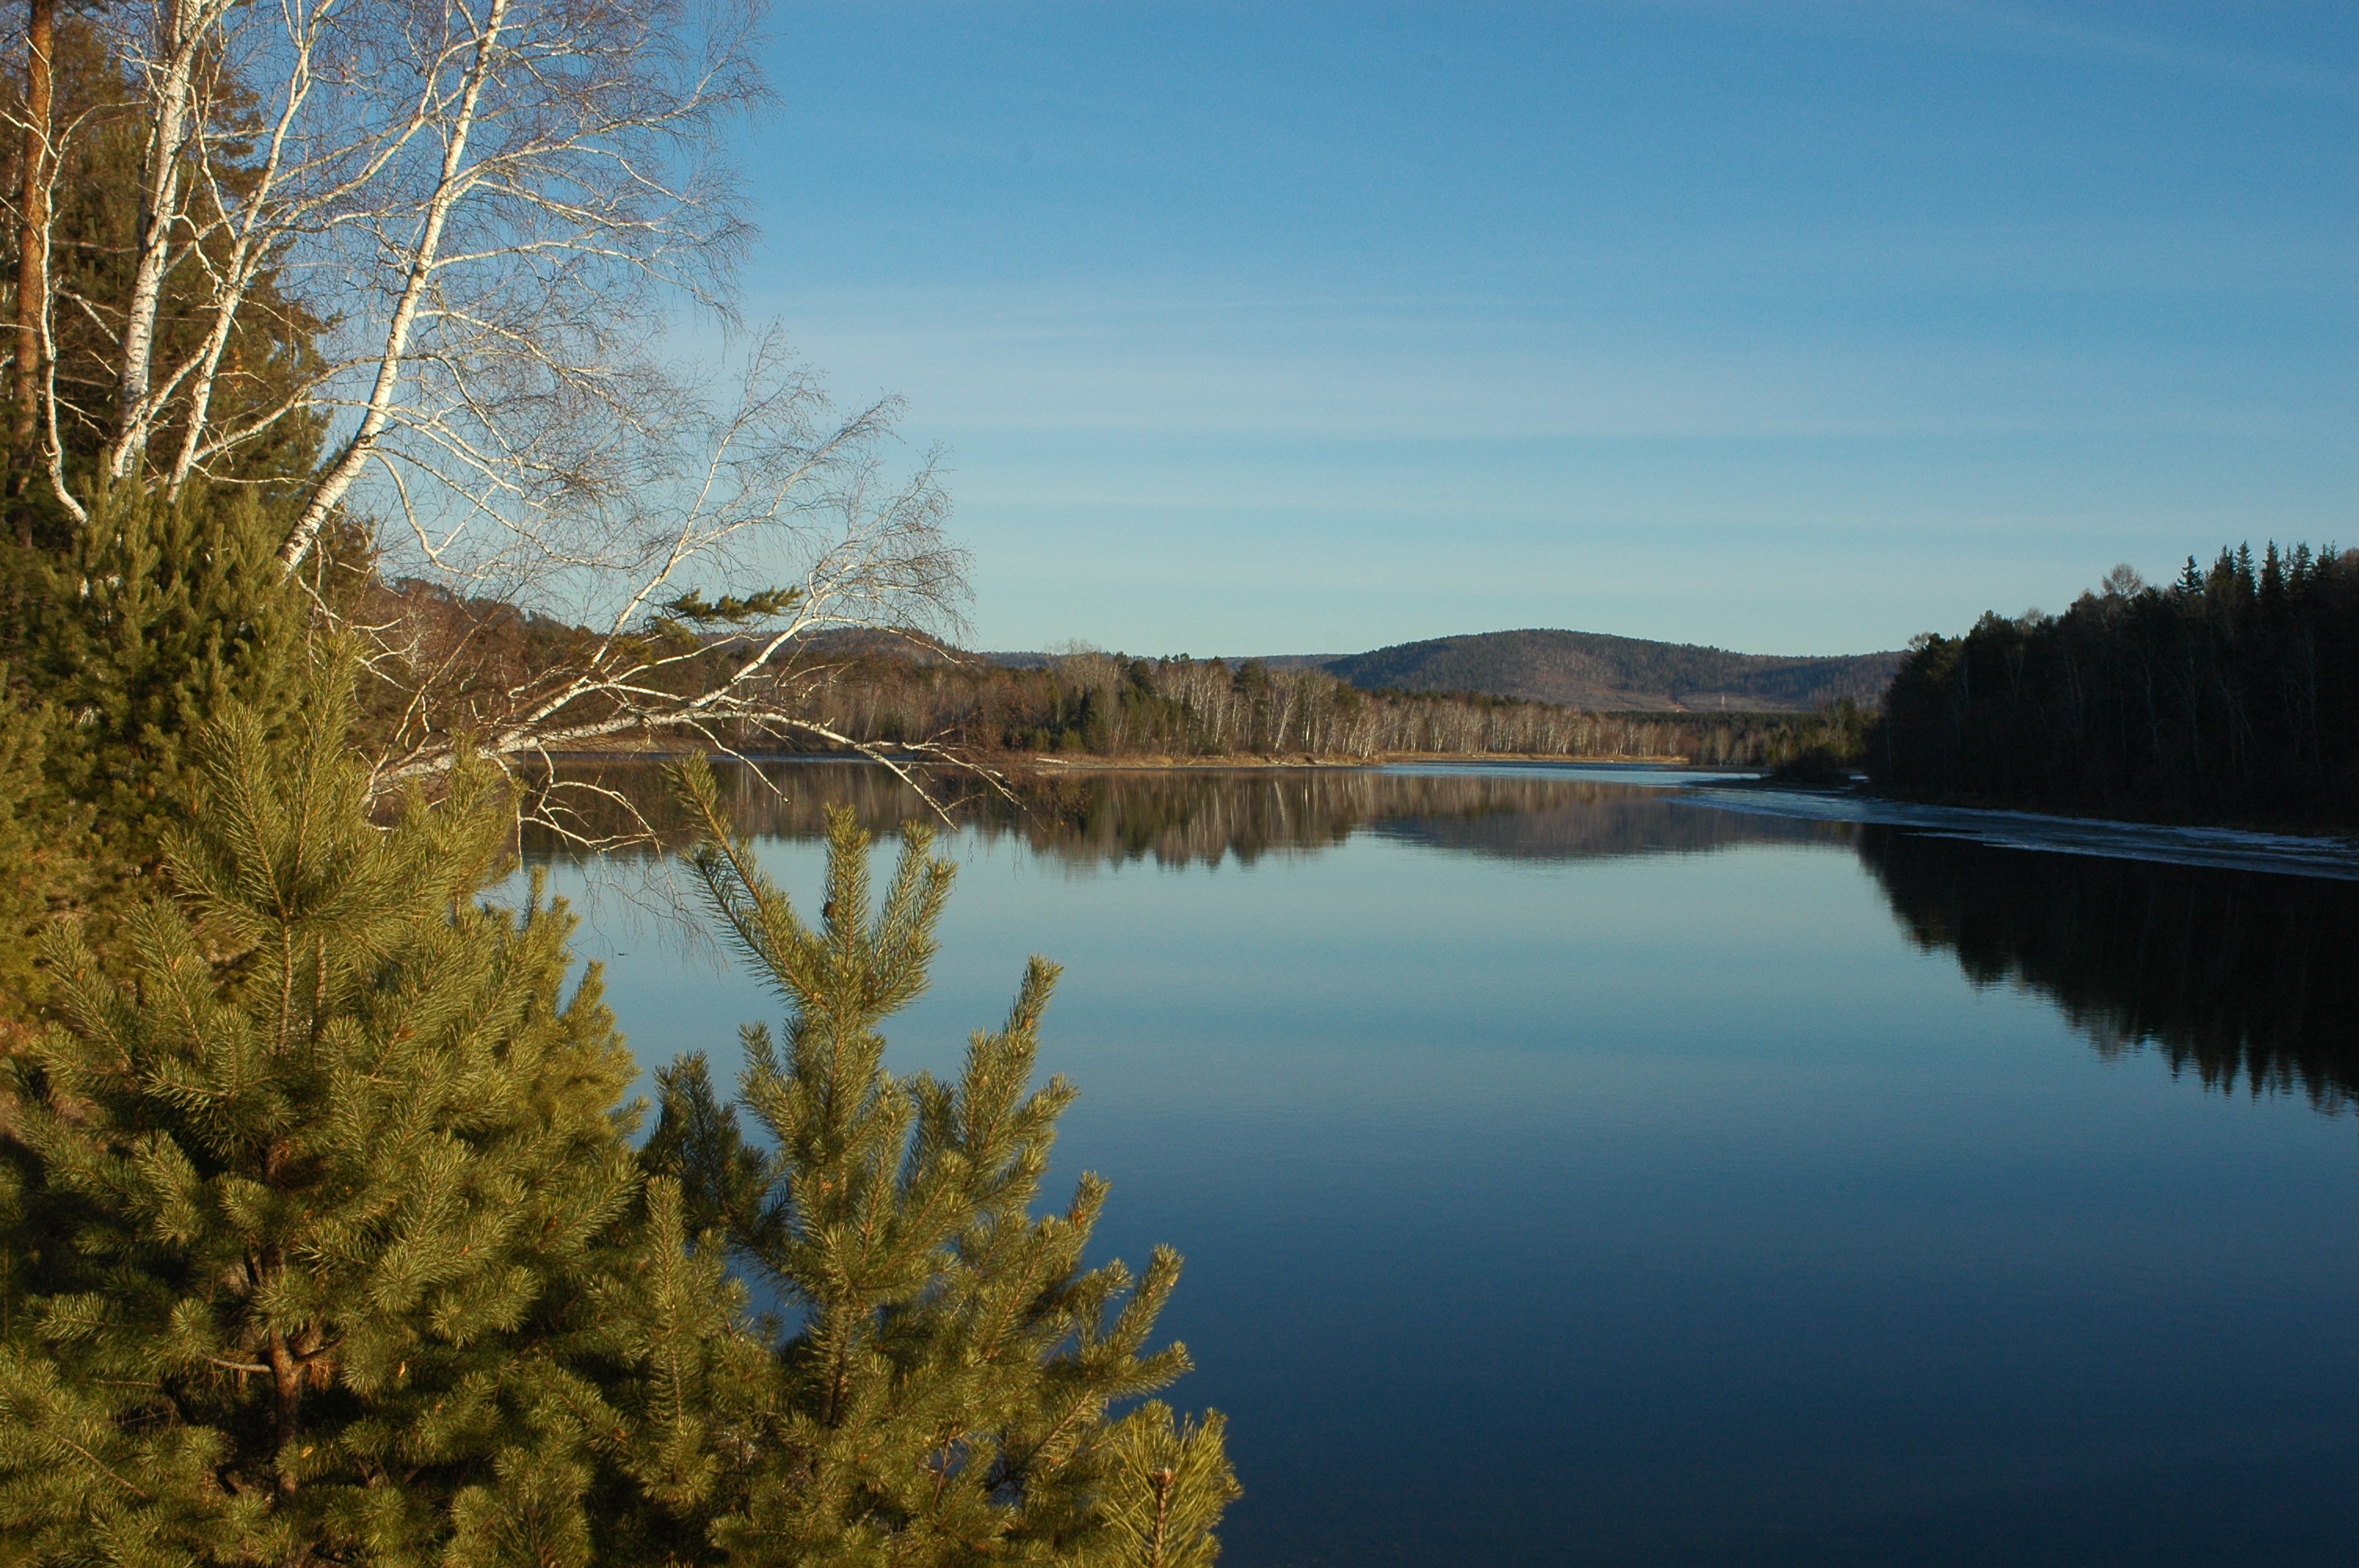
point(1570, 1170)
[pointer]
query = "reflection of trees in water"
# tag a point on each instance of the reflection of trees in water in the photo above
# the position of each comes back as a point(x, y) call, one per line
point(1202, 816)
point(1580, 821)
point(2242, 976)
point(1181, 818)
point(784, 800)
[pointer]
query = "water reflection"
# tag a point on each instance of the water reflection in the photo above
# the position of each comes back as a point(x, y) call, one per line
point(1579, 819)
point(2244, 978)
point(1204, 816)
point(1759, 1235)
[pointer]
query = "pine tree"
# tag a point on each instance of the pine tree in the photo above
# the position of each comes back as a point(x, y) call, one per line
point(162, 617)
point(945, 1398)
point(323, 1240)
point(44, 855)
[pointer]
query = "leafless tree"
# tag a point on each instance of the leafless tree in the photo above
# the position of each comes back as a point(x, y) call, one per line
point(495, 215)
point(762, 482)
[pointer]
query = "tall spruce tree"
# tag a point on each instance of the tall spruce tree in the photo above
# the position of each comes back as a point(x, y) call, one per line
point(322, 1240)
point(946, 1397)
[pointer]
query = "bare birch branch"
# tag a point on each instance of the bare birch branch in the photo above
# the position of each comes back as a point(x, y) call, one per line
point(484, 214)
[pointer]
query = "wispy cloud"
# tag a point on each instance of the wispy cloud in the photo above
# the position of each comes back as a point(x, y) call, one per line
point(1254, 369)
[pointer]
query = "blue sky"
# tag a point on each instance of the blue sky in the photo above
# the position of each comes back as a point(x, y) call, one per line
point(1790, 327)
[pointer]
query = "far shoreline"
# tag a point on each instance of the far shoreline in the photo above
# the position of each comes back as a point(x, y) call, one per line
point(1048, 763)
point(1031, 767)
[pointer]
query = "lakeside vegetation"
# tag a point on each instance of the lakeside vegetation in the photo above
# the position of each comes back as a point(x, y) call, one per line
point(2230, 695)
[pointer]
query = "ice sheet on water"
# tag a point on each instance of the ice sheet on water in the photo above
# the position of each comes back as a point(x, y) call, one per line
point(2227, 849)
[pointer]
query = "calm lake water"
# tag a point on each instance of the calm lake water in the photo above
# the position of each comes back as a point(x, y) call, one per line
point(1576, 1166)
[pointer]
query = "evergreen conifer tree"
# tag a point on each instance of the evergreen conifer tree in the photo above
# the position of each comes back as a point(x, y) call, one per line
point(945, 1398)
point(44, 853)
point(323, 1241)
point(161, 617)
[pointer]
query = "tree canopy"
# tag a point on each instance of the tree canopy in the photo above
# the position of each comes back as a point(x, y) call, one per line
point(2230, 694)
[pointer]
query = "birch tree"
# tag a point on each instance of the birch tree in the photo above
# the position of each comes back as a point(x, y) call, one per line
point(483, 225)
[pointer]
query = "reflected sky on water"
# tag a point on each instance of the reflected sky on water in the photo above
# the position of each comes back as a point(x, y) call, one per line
point(1573, 1171)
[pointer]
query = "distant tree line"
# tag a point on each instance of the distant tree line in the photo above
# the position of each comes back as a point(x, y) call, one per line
point(1107, 704)
point(2230, 694)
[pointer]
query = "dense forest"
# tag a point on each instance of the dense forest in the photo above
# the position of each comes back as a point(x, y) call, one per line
point(2231, 694)
point(1594, 671)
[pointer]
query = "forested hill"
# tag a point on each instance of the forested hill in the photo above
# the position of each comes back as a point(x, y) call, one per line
point(1594, 671)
